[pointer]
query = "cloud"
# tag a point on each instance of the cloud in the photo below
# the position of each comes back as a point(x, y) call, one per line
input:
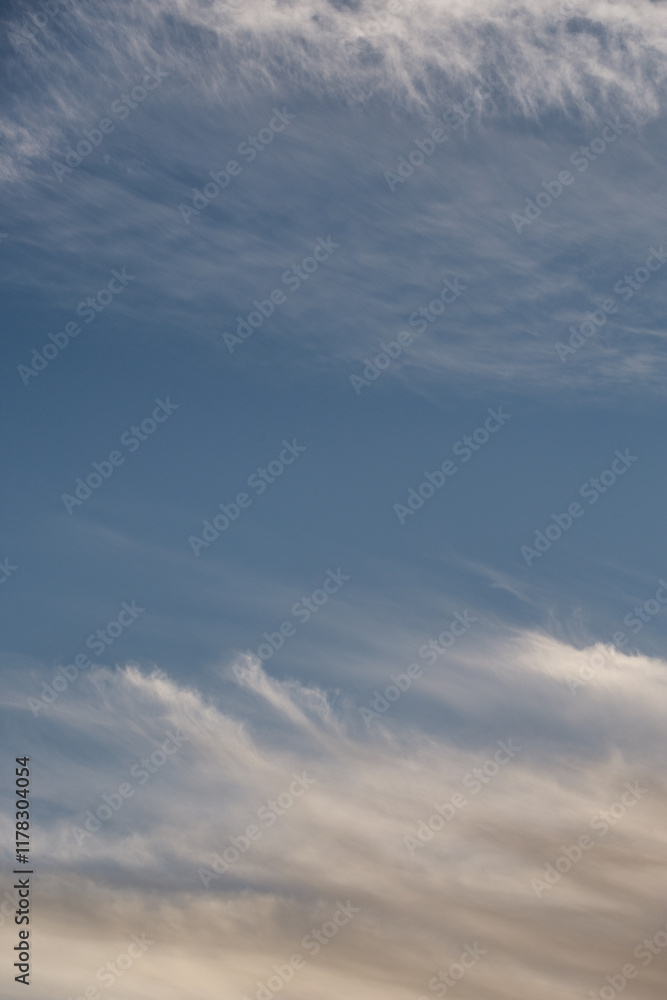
point(343, 836)
point(343, 811)
point(360, 105)
point(412, 55)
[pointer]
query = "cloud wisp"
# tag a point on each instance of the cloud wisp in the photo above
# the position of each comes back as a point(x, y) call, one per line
point(275, 870)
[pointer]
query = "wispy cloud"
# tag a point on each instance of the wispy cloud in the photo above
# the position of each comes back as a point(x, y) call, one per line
point(228, 66)
point(345, 839)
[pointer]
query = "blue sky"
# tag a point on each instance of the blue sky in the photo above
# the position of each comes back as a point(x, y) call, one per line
point(520, 93)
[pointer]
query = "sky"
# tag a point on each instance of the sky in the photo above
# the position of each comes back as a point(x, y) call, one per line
point(332, 575)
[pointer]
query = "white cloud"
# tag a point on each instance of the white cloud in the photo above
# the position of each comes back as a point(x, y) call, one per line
point(344, 837)
point(358, 110)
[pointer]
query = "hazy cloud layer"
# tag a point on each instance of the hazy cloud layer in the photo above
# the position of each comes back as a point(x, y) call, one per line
point(359, 106)
point(344, 836)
